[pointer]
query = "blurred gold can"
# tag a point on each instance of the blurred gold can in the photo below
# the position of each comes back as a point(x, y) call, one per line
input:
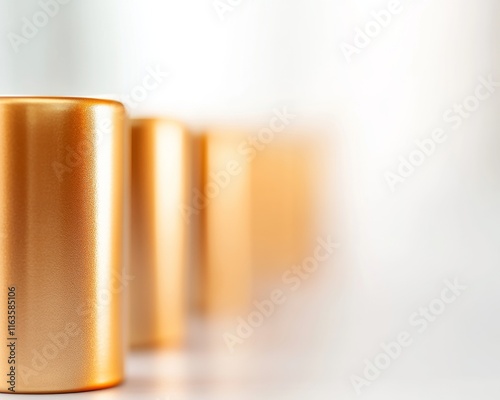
point(160, 179)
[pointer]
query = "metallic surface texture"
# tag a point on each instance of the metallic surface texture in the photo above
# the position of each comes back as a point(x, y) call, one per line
point(160, 182)
point(63, 165)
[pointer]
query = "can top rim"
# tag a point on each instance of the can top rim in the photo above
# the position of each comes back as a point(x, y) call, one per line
point(58, 100)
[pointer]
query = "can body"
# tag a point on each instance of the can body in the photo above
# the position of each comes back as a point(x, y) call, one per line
point(225, 212)
point(159, 233)
point(63, 165)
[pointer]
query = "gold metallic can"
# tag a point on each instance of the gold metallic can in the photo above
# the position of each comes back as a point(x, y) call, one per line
point(258, 207)
point(223, 203)
point(63, 166)
point(159, 233)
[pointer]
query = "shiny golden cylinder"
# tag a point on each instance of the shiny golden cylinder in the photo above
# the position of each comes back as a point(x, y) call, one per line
point(160, 179)
point(284, 180)
point(258, 209)
point(224, 204)
point(63, 165)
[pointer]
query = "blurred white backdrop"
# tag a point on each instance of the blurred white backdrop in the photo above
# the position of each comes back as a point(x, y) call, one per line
point(397, 247)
